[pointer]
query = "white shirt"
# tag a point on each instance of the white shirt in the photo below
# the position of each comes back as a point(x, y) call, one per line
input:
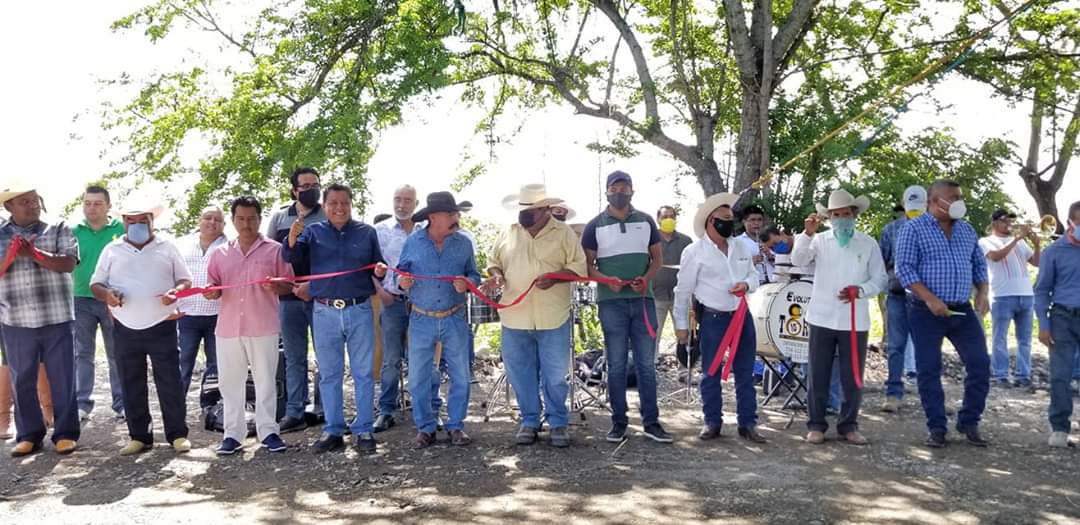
point(142, 276)
point(764, 269)
point(859, 264)
point(197, 261)
point(1008, 276)
point(707, 273)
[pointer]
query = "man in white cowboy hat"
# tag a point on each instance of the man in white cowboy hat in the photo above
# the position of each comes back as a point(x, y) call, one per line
point(536, 332)
point(844, 258)
point(37, 312)
point(138, 277)
point(712, 271)
point(438, 315)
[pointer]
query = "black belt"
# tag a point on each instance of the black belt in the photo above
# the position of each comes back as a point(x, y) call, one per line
point(952, 306)
point(1066, 310)
point(341, 304)
point(717, 312)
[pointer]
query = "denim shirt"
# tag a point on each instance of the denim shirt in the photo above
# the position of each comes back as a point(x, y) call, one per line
point(420, 257)
point(329, 249)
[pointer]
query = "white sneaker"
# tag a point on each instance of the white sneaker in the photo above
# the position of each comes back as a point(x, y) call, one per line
point(1059, 440)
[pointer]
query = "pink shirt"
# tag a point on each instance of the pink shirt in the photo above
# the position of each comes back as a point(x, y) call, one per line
point(247, 311)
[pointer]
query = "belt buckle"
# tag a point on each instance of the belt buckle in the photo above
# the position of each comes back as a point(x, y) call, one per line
point(338, 303)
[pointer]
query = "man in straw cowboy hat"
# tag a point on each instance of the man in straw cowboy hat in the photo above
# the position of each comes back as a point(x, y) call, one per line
point(536, 332)
point(138, 277)
point(844, 258)
point(37, 311)
point(438, 315)
point(939, 261)
point(713, 270)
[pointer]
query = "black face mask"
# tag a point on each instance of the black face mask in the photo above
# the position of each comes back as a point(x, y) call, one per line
point(309, 198)
point(560, 218)
point(724, 228)
point(526, 218)
point(619, 201)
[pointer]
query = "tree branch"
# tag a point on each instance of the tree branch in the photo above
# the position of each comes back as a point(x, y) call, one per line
point(648, 86)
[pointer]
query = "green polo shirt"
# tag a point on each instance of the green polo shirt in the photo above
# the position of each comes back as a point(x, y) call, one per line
point(622, 249)
point(91, 244)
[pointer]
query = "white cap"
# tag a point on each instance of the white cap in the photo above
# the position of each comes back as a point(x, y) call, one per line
point(915, 198)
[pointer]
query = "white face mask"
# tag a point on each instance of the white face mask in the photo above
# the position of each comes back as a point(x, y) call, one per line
point(957, 209)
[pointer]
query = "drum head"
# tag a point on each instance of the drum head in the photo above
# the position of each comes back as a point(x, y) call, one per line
point(780, 312)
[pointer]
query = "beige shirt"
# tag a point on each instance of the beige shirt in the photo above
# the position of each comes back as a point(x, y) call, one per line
point(522, 258)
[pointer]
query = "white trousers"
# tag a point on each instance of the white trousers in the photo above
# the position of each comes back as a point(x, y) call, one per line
point(234, 356)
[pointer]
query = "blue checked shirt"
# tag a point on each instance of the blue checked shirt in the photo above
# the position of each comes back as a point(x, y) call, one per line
point(31, 296)
point(947, 266)
point(888, 251)
point(419, 256)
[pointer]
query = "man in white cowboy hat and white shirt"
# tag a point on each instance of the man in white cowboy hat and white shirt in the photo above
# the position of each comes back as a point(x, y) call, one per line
point(138, 277)
point(844, 258)
point(536, 332)
point(712, 271)
point(37, 311)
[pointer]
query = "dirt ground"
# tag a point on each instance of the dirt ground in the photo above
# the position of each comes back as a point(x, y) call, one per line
point(894, 480)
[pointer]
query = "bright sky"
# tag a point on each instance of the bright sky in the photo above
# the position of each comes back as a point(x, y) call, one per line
point(53, 75)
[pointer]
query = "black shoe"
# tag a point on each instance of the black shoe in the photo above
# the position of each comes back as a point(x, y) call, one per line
point(709, 433)
point(525, 435)
point(328, 443)
point(617, 433)
point(440, 425)
point(973, 437)
point(935, 440)
point(657, 433)
point(291, 424)
point(383, 423)
point(751, 434)
point(1002, 383)
point(1022, 383)
point(364, 442)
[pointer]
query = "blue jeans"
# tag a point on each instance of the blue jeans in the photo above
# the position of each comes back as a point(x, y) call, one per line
point(89, 314)
point(899, 333)
point(535, 361)
point(348, 329)
point(1006, 310)
point(394, 320)
point(1065, 328)
point(53, 346)
point(296, 320)
point(624, 328)
point(424, 333)
point(966, 334)
point(713, 327)
point(195, 329)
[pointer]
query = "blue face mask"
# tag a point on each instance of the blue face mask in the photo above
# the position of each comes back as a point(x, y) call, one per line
point(781, 248)
point(138, 233)
point(844, 230)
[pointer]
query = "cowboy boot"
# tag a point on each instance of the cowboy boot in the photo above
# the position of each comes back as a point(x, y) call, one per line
point(44, 397)
point(6, 399)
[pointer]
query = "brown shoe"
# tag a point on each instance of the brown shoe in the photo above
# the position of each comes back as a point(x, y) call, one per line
point(423, 440)
point(855, 438)
point(25, 448)
point(751, 434)
point(815, 437)
point(459, 438)
point(66, 446)
point(709, 433)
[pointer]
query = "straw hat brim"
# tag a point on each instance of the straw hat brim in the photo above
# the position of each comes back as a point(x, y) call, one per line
point(709, 206)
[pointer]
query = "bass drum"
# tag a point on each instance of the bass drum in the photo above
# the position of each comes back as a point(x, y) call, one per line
point(779, 311)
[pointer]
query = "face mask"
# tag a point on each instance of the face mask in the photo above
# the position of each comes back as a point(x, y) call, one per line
point(560, 218)
point(1070, 235)
point(781, 248)
point(844, 230)
point(138, 233)
point(724, 228)
point(619, 201)
point(667, 225)
point(957, 209)
point(309, 198)
point(911, 214)
point(526, 218)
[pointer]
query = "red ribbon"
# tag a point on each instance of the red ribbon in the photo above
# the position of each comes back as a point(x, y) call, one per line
point(853, 294)
point(16, 244)
point(730, 342)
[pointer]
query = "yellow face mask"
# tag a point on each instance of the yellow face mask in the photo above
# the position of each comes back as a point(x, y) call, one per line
point(911, 214)
point(667, 225)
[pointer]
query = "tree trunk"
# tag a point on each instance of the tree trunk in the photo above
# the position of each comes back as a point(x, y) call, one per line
point(748, 165)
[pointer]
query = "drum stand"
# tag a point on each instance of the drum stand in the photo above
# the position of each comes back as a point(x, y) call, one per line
point(688, 393)
point(582, 395)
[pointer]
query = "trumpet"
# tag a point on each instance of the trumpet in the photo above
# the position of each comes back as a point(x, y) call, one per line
point(1045, 229)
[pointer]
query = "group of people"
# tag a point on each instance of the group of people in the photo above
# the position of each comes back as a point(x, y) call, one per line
point(317, 272)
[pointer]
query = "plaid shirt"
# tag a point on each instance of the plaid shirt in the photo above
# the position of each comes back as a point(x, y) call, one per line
point(197, 260)
point(31, 296)
point(947, 266)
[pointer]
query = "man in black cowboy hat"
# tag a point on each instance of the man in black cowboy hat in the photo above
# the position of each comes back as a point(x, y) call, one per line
point(438, 314)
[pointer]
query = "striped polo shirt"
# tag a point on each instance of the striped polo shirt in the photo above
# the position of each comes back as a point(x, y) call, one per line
point(622, 249)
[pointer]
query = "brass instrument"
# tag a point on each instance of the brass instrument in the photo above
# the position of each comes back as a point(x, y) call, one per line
point(1045, 229)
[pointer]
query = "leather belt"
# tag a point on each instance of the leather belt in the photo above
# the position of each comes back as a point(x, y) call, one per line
point(440, 314)
point(341, 304)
